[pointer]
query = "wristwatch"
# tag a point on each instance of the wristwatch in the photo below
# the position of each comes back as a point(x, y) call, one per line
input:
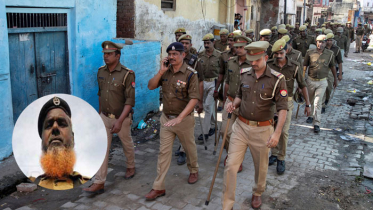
point(308, 105)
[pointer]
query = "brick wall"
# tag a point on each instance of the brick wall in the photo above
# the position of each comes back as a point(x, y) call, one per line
point(126, 18)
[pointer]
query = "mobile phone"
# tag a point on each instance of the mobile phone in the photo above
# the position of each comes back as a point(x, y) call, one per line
point(167, 63)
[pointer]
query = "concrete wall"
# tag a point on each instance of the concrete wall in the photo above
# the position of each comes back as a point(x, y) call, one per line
point(154, 24)
point(270, 13)
point(6, 110)
point(90, 23)
point(340, 10)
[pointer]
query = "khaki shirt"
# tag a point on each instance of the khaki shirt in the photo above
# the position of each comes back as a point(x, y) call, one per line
point(295, 55)
point(220, 46)
point(296, 30)
point(303, 44)
point(113, 91)
point(291, 71)
point(259, 96)
point(193, 51)
point(234, 75)
point(360, 31)
point(195, 64)
point(176, 91)
point(274, 38)
point(210, 65)
point(341, 41)
point(312, 33)
point(73, 180)
point(224, 61)
point(367, 31)
point(319, 64)
point(351, 32)
point(337, 54)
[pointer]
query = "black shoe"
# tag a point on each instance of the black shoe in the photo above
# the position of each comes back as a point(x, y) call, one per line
point(326, 102)
point(272, 160)
point(220, 108)
point(316, 129)
point(200, 137)
point(322, 110)
point(177, 153)
point(211, 131)
point(181, 159)
point(309, 120)
point(355, 52)
point(280, 166)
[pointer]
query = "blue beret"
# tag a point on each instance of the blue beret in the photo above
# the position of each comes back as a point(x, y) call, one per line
point(53, 103)
point(175, 46)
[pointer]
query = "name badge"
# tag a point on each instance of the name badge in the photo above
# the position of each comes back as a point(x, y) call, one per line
point(245, 86)
point(101, 78)
point(230, 70)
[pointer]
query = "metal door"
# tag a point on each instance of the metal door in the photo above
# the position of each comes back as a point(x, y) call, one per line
point(38, 67)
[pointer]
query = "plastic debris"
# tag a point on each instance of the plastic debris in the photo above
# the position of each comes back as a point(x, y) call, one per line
point(369, 63)
point(141, 125)
point(337, 129)
point(370, 82)
point(352, 91)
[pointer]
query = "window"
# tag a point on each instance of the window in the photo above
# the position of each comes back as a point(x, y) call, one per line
point(368, 4)
point(32, 20)
point(168, 4)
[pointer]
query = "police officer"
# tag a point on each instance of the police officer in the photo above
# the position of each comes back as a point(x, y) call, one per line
point(223, 64)
point(338, 61)
point(180, 89)
point(250, 34)
point(222, 44)
point(292, 72)
point(234, 65)
point(342, 41)
point(54, 122)
point(296, 29)
point(281, 33)
point(292, 54)
point(210, 61)
point(359, 35)
point(367, 31)
point(349, 32)
point(312, 31)
point(116, 91)
point(192, 61)
point(178, 33)
point(319, 61)
point(302, 42)
point(274, 35)
point(260, 90)
point(265, 35)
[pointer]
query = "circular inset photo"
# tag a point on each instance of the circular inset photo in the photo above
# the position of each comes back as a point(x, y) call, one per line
point(59, 141)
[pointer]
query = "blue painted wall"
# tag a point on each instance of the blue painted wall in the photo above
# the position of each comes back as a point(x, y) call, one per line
point(6, 111)
point(90, 22)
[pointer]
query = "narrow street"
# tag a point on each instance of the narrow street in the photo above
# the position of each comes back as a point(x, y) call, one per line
point(323, 171)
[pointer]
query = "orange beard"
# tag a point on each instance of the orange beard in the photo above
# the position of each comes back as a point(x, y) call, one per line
point(58, 162)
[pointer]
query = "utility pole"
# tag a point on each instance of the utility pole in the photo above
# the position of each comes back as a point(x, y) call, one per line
point(304, 12)
point(285, 15)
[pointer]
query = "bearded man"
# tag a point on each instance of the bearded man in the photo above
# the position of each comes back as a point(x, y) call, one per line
point(58, 155)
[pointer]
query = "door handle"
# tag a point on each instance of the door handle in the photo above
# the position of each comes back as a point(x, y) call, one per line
point(32, 69)
point(43, 68)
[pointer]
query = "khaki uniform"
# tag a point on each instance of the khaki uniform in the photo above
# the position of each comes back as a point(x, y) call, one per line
point(295, 55)
point(359, 36)
point(303, 44)
point(223, 69)
point(296, 30)
point(178, 89)
point(75, 179)
point(221, 46)
point(319, 67)
point(260, 96)
point(233, 80)
point(349, 33)
point(338, 60)
point(211, 68)
point(292, 73)
point(116, 91)
point(367, 31)
point(342, 42)
point(274, 38)
point(312, 33)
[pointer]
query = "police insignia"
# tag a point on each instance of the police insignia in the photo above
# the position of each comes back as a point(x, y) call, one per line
point(173, 47)
point(133, 84)
point(56, 101)
point(283, 93)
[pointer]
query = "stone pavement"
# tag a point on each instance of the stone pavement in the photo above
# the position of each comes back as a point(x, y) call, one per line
point(306, 152)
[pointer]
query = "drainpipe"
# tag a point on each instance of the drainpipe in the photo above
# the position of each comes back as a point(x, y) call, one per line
point(304, 11)
point(285, 16)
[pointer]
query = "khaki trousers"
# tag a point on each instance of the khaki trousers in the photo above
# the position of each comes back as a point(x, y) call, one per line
point(235, 114)
point(185, 132)
point(280, 149)
point(348, 46)
point(255, 138)
point(208, 105)
point(127, 143)
point(316, 91)
point(329, 89)
point(358, 42)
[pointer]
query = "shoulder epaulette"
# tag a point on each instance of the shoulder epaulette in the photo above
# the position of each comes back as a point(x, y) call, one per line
point(101, 67)
point(277, 74)
point(191, 69)
point(270, 60)
point(230, 58)
point(244, 70)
